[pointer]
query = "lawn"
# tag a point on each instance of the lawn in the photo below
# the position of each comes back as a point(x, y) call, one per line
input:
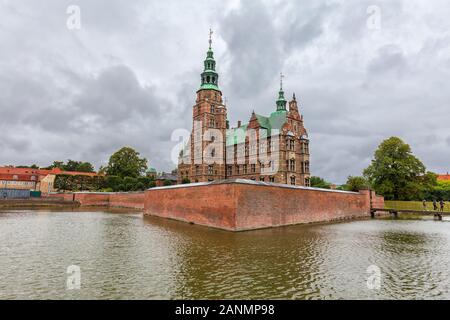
point(413, 205)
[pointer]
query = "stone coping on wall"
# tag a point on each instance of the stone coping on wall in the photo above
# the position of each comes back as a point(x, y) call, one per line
point(248, 182)
point(99, 193)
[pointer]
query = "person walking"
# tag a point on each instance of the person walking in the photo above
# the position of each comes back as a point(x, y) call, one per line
point(442, 203)
point(424, 204)
point(435, 207)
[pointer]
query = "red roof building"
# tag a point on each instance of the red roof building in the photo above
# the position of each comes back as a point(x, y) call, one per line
point(34, 179)
point(444, 177)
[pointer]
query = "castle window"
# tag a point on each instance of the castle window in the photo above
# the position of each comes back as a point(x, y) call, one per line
point(307, 182)
point(208, 79)
point(246, 150)
point(213, 109)
point(214, 80)
point(272, 146)
point(245, 169)
point(212, 122)
point(210, 170)
point(262, 148)
point(271, 179)
point(292, 165)
point(253, 168)
point(253, 149)
point(213, 153)
point(292, 145)
point(261, 179)
point(306, 166)
point(229, 171)
point(293, 180)
point(197, 170)
point(238, 169)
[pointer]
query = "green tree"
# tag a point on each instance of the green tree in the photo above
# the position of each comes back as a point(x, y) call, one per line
point(395, 172)
point(356, 183)
point(56, 164)
point(167, 183)
point(317, 182)
point(126, 163)
point(78, 166)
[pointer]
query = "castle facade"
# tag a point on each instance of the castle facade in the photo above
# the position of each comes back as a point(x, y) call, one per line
point(273, 148)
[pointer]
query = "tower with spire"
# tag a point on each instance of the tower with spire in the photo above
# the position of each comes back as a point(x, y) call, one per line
point(217, 152)
point(281, 102)
point(206, 160)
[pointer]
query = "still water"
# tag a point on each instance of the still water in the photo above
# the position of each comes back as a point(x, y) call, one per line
point(126, 256)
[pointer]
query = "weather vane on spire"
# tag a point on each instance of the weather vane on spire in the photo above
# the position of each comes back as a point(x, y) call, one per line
point(210, 37)
point(281, 80)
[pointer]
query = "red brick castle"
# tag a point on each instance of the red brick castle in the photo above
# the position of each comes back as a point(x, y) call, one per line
point(272, 148)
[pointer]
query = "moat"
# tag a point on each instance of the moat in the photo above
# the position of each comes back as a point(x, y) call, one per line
point(125, 256)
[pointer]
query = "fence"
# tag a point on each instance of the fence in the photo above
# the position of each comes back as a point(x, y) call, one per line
point(14, 194)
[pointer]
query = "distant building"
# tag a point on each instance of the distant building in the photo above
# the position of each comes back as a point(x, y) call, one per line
point(34, 179)
point(151, 173)
point(165, 178)
point(444, 177)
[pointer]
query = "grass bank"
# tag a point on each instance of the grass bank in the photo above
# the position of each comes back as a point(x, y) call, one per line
point(413, 205)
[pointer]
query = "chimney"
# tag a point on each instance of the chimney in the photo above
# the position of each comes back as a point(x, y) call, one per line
point(239, 123)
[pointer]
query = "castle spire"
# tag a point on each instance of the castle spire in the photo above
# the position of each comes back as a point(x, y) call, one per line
point(210, 37)
point(209, 77)
point(281, 102)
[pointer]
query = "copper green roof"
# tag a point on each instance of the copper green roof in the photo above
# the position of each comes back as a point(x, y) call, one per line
point(275, 121)
point(209, 77)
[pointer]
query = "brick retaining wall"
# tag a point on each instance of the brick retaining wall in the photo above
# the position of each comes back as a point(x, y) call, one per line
point(246, 205)
point(133, 200)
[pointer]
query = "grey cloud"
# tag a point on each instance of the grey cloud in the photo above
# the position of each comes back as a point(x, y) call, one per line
point(390, 58)
point(254, 48)
point(129, 76)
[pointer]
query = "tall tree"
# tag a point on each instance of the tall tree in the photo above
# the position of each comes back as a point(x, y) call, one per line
point(126, 163)
point(79, 166)
point(356, 183)
point(395, 172)
point(317, 182)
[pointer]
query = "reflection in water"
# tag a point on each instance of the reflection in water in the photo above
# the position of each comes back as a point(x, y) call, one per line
point(125, 256)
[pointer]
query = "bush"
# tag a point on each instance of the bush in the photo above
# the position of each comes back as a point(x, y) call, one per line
point(167, 183)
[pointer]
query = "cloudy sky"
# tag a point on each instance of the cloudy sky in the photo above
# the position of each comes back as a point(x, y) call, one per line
point(362, 70)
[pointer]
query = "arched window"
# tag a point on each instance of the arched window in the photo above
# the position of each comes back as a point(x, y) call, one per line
point(208, 79)
point(292, 165)
point(307, 182)
point(293, 180)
